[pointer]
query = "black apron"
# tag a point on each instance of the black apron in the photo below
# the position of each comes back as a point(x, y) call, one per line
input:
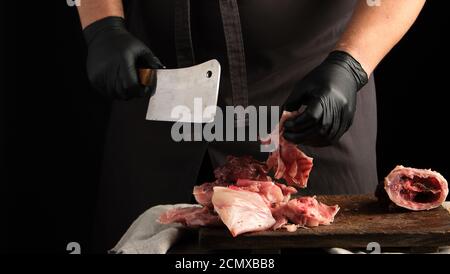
point(264, 47)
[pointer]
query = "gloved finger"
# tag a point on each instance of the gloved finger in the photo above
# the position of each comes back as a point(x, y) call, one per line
point(293, 126)
point(297, 98)
point(318, 142)
point(130, 86)
point(148, 60)
point(111, 85)
point(314, 137)
point(345, 124)
point(302, 137)
point(310, 117)
point(118, 90)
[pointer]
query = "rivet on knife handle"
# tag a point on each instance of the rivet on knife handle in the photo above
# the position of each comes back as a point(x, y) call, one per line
point(146, 76)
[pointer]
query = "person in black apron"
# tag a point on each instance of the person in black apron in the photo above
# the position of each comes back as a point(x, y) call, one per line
point(268, 51)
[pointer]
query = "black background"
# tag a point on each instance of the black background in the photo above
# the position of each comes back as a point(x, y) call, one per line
point(54, 124)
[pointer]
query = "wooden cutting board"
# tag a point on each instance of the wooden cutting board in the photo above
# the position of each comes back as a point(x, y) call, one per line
point(360, 221)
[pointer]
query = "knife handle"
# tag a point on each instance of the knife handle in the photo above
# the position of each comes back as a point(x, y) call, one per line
point(146, 76)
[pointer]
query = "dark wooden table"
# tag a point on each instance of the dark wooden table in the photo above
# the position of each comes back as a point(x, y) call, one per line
point(360, 221)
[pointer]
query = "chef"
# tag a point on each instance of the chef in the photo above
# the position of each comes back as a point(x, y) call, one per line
point(288, 53)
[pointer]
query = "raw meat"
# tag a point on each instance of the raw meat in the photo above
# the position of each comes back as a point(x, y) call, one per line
point(193, 216)
point(246, 199)
point(249, 206)
point(304, 212)
point(287, 191)
point(270, 192)
point(245, 167)
point(203, 193)
point(416, 189)
point(288, 161)
point(242, 211)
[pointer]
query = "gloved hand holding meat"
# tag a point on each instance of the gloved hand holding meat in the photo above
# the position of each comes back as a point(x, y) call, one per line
point(246, 199)
point(329, 94)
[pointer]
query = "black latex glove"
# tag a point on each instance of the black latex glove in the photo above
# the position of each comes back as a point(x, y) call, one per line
point(329, 94)
point(114, 55)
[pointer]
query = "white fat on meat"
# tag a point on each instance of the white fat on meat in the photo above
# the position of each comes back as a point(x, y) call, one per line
point(242, 211)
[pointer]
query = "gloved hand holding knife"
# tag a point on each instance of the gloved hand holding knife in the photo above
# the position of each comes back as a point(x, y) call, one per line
point(114, 56)
point(329, 92)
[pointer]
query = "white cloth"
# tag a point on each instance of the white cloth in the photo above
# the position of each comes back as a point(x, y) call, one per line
point(147, 236)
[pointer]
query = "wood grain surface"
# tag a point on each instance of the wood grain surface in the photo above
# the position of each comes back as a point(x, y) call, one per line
point(360, 221)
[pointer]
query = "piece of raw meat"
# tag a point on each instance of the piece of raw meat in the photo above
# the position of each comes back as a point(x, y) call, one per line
point(193, 216)
point(287, 191)
point(244, 167)
point(288, 161)
point(271, 193)
point(415, 189)
point(303, 212)
point(203, 193)
point(242, 211)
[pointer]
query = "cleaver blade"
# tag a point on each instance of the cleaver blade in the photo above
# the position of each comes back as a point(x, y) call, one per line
point(186, 95)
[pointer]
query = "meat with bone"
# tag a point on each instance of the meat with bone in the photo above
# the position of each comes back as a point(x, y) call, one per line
point(303, 212)
point(193, 216)
point(415, 189)
point(242, 211)
point(288, 161)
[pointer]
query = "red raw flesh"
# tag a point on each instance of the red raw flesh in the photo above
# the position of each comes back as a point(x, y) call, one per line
point(288, 161)
point(245, 167)
point(416, 189)
point(420, 190)
point(304, 212)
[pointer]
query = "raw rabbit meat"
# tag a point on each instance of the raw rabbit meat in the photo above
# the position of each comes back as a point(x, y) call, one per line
point(415, 189)
point(242, 211)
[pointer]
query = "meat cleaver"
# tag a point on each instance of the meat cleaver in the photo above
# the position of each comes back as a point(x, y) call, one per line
point(186, 95)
